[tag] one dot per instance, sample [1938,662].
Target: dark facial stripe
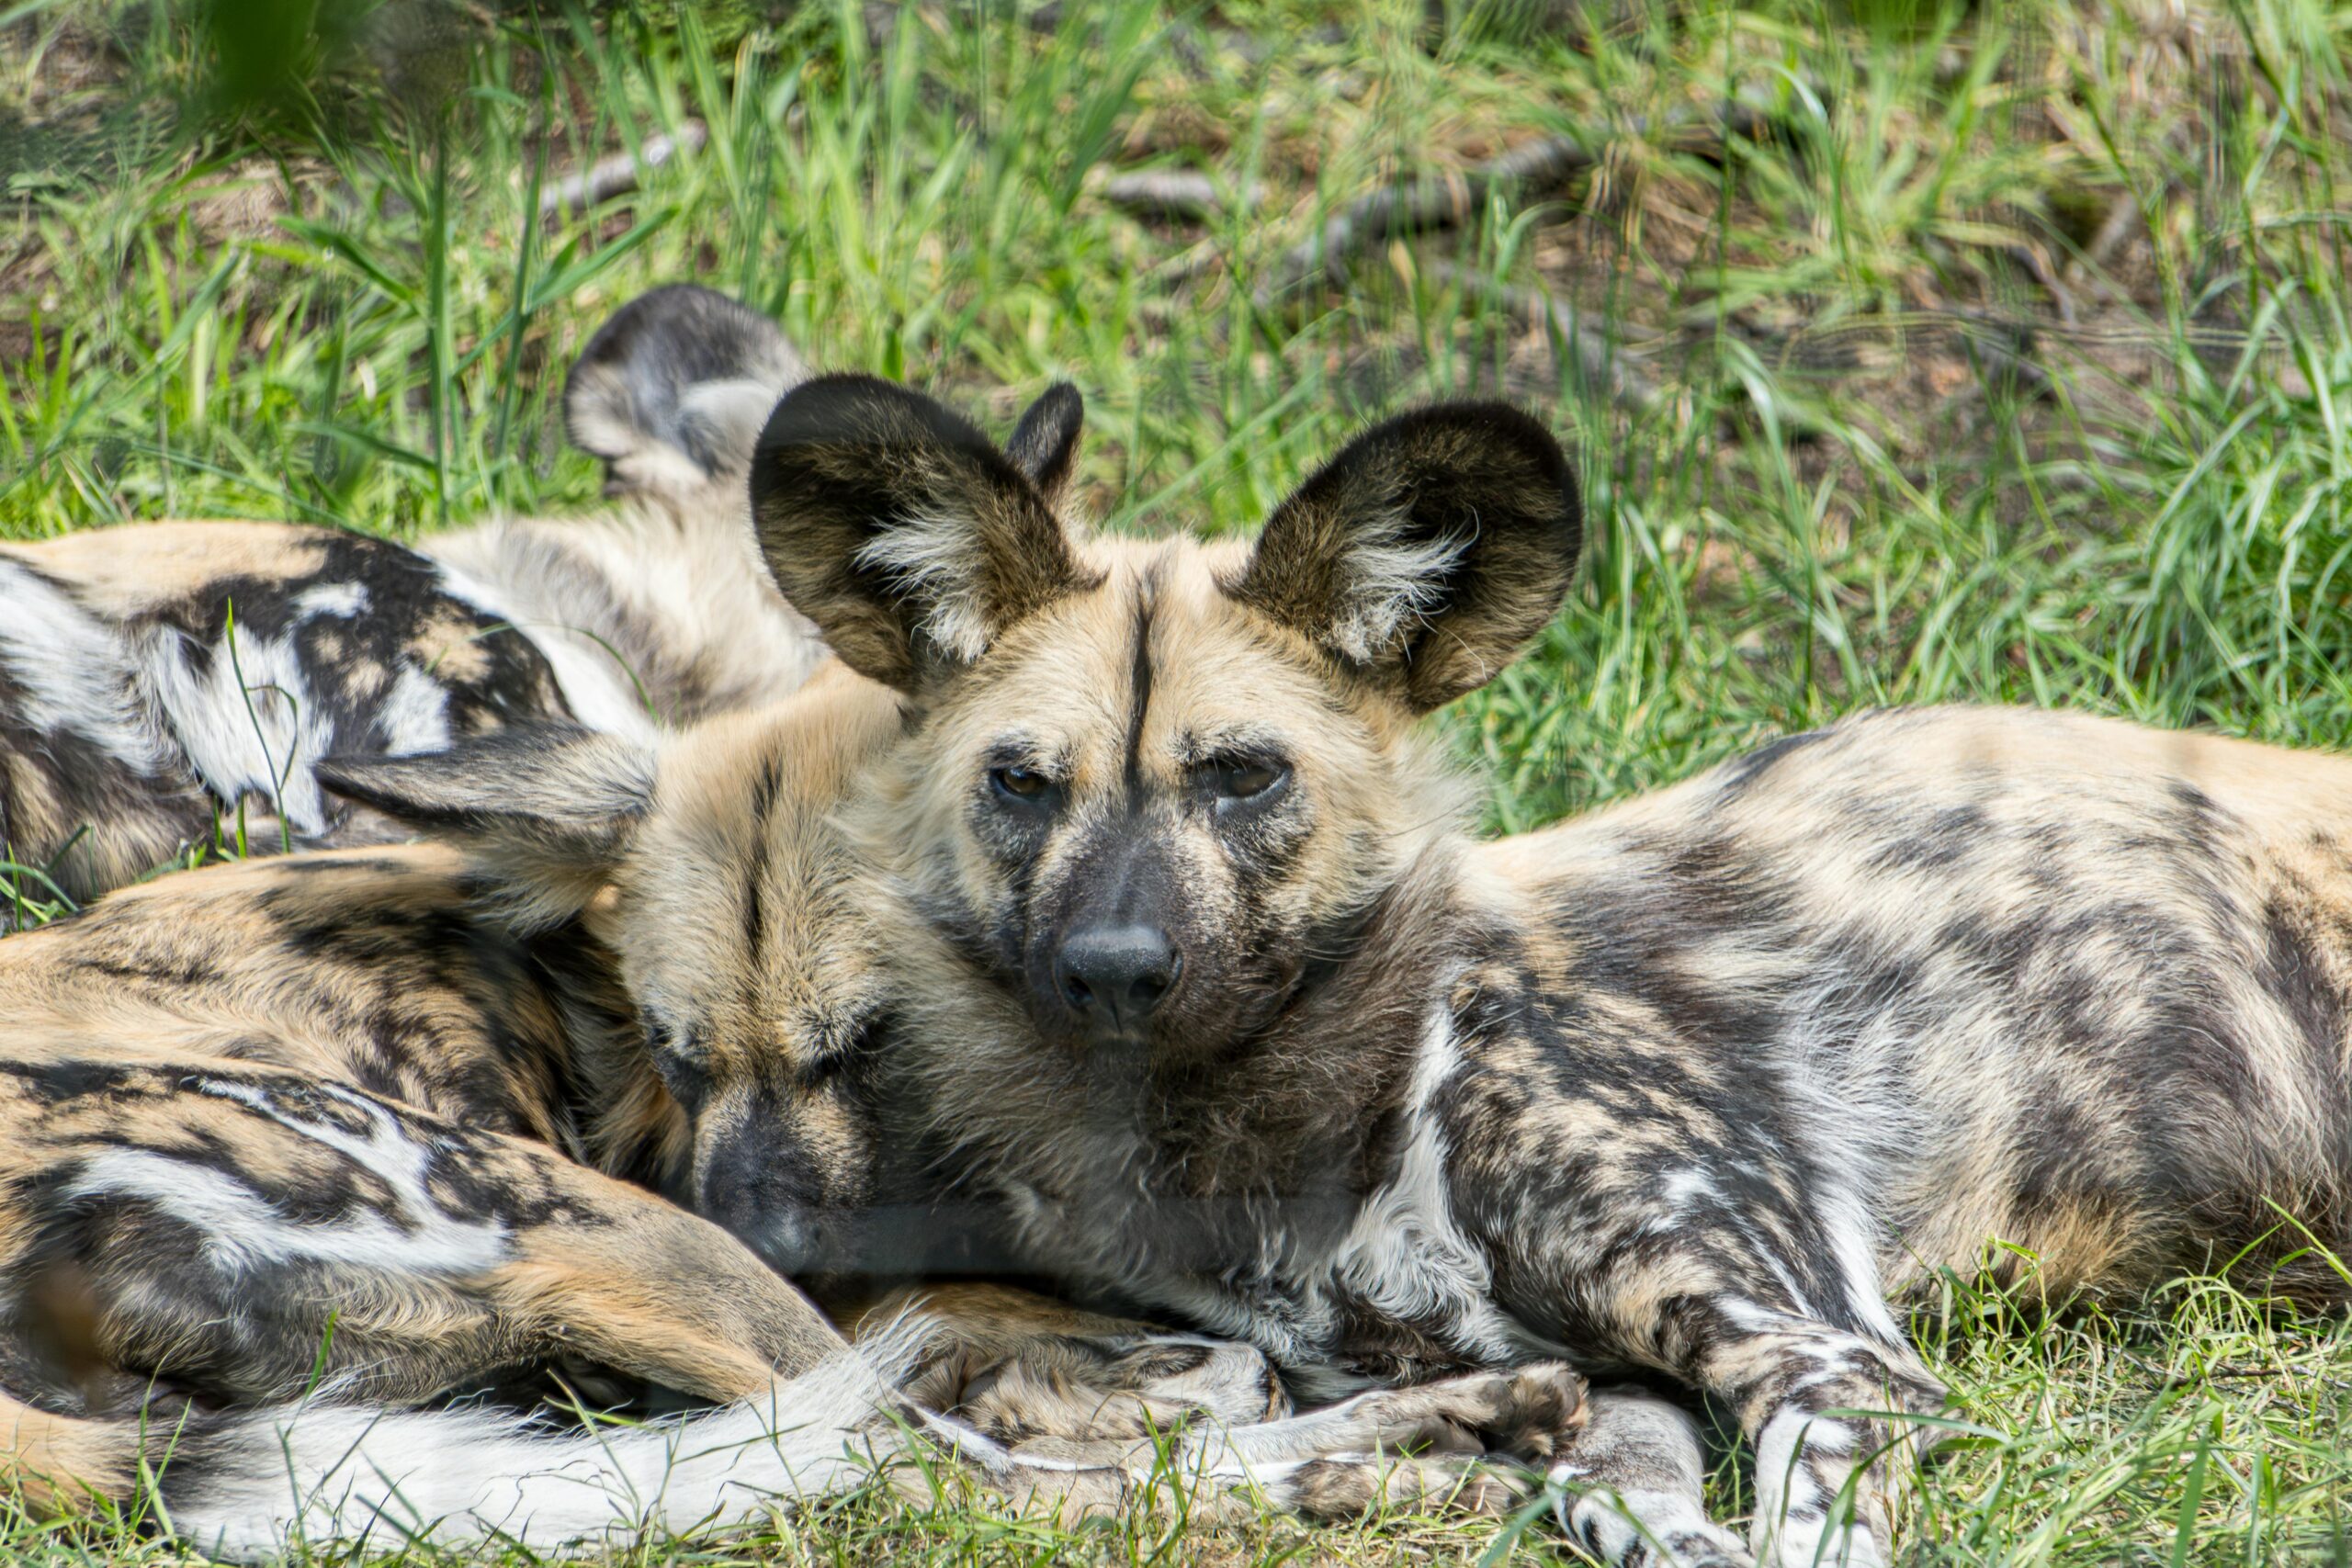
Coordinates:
[764,796]
[1139,684]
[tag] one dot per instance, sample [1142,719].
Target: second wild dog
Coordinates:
[294,1150]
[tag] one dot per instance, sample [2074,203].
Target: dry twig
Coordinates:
[1597,361]
[1179,193]
[1443,201]
[609,177]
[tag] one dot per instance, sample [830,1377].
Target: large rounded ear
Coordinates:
[1428,553]
[673,388]
[547,811]
[899,530]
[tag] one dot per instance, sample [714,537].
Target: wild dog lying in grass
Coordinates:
[375,1122]
[772,1011]
[156,678]
[1197,972]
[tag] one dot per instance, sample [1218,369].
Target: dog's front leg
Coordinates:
[1828,1413]
[1634,1480]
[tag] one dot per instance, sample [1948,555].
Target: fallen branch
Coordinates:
[609,177]
[1179,193]
[1597,362]
[1443,201]
[2123,218]
[2004,345]
[2036,262]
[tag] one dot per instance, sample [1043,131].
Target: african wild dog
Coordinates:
[758,925]
[768,998]
[158,677]
[1198,971]
[382,1122]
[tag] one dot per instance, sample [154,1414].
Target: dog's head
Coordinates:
[712,870]
[1150,783]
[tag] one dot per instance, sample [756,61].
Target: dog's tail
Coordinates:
[263,1485]
[257,1486]
[672,392]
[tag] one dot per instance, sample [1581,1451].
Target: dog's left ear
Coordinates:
[547,811]
[1428,553]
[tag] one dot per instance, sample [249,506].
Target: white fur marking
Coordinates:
[243,1229]
[1391,584]
[600,693]
[415,715]
[1405,1255]
[935,556]
[1850,1227]
[259,736]
[72,670]
[340,600]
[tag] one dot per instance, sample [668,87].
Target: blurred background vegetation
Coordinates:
[1912,352]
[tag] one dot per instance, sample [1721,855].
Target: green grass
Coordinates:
[297,273]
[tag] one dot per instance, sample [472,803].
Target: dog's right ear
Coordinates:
[671,392]
[1428,553]
[904,532]
[547,811]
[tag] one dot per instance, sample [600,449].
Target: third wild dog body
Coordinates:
[157,678]
[381,1122]
[1201,977]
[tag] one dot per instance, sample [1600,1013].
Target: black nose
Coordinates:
[1113,977]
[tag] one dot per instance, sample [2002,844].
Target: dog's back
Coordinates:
[2077,985]
[171,685]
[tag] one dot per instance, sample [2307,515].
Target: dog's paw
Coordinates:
[1344,1488]
[1526,1412]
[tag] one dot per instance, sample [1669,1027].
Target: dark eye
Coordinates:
[1024,784]
[1245,778]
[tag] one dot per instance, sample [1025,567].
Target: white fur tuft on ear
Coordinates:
[935,558]
[1390,583]
[726,416]
[1428,553]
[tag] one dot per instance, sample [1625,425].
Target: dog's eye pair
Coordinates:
[1024,784]
[1235,778]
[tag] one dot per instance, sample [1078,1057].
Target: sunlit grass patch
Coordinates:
[2009,358]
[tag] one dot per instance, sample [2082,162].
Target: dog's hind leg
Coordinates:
[249,1234]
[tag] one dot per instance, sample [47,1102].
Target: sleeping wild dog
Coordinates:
[157,678]
[1198,972]
[380,1123]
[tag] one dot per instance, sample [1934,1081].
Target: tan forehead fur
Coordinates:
[1217,668]
[731,903]
[1061,684]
